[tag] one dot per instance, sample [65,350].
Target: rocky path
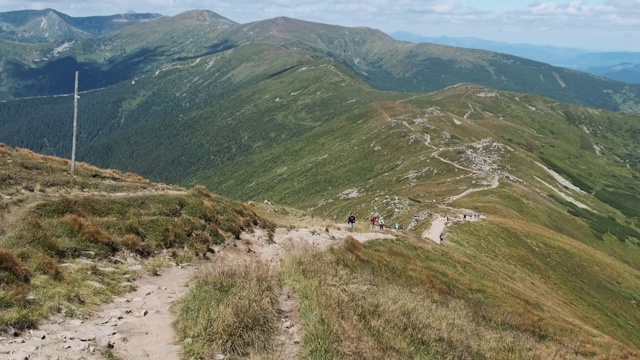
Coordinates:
[494,183]
[139,324]
[136,326]
[437,227]
[439,224]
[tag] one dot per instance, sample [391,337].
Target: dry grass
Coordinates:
[231,310]
[48,217]
[361,302]
[12,269]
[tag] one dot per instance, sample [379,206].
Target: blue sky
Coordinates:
[586,24]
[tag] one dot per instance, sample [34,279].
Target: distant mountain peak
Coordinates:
[49,25]
[200,15]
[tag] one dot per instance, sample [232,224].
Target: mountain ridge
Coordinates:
[32,26]
[550,264]
[598,63]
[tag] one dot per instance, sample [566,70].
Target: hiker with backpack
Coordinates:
[351,221]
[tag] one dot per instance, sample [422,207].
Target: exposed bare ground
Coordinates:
[139,325]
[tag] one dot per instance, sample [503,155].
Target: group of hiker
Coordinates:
[375,221]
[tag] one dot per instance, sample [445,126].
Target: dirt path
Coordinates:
[139,324]
[495,182]
[437,227]
[439,223]
[136,326]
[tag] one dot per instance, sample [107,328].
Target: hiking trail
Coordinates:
[138,325]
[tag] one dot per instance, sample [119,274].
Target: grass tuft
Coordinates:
[231,310]
[11,269]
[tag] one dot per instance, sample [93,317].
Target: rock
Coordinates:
[10,331]
[135,267]
[39,334]
[288,325]
[104,342]
[296,339]
[109,331]
[66,265]
[30,299]
[116,260]
[115,314]
[90,254]
[94,284]
[149,292]
[76,322]
[107,269]
[85,262]
[77,345]
[145,312]
[187,341]
[212,250]
[220,357]
[86,337]
[132,261]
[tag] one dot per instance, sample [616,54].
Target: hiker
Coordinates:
[373,221]
[381,223]
[351,221]
[464,217]
[441,238]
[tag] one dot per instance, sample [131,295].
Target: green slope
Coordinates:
[378,59]
[577,268]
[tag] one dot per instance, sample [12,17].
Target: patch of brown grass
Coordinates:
[13,266]
[50,266]
[87,229]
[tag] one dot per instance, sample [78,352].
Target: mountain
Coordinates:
[543,53]
[44,69]
[375,57]
[45,26]
[537,197]
[626,72]
[607,64]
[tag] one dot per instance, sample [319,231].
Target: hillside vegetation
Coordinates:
[557,183]
[324,119]
[63,239]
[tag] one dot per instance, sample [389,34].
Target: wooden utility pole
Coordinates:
[75,128]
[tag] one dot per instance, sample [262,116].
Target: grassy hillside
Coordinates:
[63,239]
[564,252]
[499,289]
[384,63]
[181,122]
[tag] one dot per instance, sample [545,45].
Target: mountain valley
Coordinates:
[530,172]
